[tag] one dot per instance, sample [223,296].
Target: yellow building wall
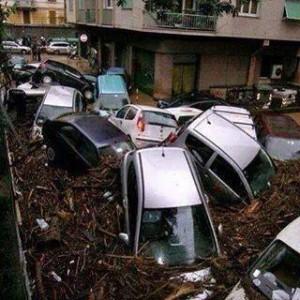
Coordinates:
[39,16]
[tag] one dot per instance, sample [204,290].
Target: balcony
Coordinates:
[182,20]
[24,4]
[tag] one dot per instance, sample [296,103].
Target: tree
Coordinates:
[5,12]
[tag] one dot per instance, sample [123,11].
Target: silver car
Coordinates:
[166,214]
[58,100]
[59,48]
[13,47]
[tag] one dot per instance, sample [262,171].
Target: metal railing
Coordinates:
[87,16]
[23,3]
[185,21]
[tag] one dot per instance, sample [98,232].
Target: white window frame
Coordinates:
[249,14]
[108,4]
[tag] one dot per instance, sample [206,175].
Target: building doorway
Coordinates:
[184,78]
[52,17]
[26,16]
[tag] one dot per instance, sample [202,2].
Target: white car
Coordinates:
[57,101]
[276,273]
[13,47]
[59,48]
[184,113]
[145,125]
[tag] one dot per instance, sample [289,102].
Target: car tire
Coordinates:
[52,155]
[23,52]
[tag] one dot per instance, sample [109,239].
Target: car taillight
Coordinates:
[172,137]
[140,124]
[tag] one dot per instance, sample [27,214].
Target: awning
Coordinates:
[292,10]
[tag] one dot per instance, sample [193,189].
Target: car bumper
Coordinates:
[146,142]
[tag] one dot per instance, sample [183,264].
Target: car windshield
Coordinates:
[177,236]
[277,269]
[112,101]
[50,112]
[259,172]
[282,148]
[158,118]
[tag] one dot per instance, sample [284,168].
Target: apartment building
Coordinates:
[38,12]
[176,50]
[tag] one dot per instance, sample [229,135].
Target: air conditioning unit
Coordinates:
[276,71]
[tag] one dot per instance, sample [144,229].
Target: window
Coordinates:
[108,4]
[198,149]
[131,114]
[128,4]
[248,8]
[26,16]
[228,175]
[71,5]
[132,201]
[121,113]
[52,17]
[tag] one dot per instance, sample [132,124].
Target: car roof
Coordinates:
[99,130]
[280,125]
[241,117]
[60,96]
[226,136]
[151,108]
[115,71]
[111,84]
[184,111]
[290,235]
[168,180]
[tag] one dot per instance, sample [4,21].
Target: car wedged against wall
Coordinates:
[276,273]
[80,140]
[234,167]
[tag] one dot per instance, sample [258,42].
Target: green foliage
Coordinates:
[5,12]
[205,7]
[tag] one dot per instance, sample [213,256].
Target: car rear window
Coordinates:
[159,118]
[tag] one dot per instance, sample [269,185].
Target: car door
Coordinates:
[226,184]
[118,119]
[15,48]
[129,125]
[78,150]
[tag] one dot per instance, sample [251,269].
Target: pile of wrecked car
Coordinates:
[175,162]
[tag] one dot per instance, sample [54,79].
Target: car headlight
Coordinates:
[88,94]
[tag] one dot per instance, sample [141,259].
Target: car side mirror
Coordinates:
[162,104]
[124,237]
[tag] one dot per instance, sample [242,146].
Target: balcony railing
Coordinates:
[183,20]
[87,16]
[24,3]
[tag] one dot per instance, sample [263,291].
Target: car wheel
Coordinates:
[88,95]
[47,79]
[52,155]
[23,52]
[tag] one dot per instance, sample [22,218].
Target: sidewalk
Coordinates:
[142,99]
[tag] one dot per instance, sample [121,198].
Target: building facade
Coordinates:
[38,12]
[175,50]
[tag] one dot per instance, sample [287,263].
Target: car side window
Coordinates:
[82,145]
[131,114]
[132,200]
[121,113]
[227,174]
[199,149]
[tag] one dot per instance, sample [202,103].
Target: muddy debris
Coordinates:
[79,256]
